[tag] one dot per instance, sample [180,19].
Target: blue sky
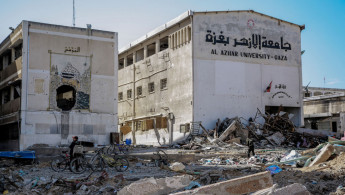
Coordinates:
[323,39]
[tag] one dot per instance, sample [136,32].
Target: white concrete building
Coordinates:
[202,66]
[57,82]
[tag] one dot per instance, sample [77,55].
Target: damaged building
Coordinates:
[325,112]
[202,66]
[57,82]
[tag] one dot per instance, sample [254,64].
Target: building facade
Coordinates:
[57,82]
[321,91]
[325,112]
[202,66]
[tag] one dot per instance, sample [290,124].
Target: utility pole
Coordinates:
[73,14]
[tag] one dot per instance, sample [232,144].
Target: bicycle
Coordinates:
[118,149]
[160,158]
[101,159]
[61,163]
[80,164]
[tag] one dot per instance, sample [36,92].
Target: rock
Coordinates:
[177,166]
[277,138]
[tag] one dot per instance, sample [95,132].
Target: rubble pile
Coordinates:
[277,130]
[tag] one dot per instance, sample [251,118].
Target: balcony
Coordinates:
[11,69]
[10,107]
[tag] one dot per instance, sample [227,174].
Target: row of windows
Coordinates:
[150,89]
[139,54]
[180,37]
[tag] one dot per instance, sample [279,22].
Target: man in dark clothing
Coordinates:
[250,145]
[71,147]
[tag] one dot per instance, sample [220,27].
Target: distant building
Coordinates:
[56,82]
[325,109]
[202,66]
[320,91]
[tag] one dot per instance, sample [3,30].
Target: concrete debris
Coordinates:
[177,166]
[293,189]
[324,154]
[152,186]
[242,185]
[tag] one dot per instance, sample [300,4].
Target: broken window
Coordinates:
[16,93]
[139,90]
[129,59]
[306,94]
[120,96]
[139,55]
[139,125]
[151,87]
[164,43]
[164,83]
[129,94]
[121,63]
[18,51]
[65,97]
[151,49]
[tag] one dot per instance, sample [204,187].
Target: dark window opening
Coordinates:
[151,49]
[129,59]
[164,43]
[151,87]
[129,94]
[164,83]
[121,63]
[120,96]
[18,51]
[334,126]
[139,55]
[306,94]
[6,59]
[65,97]
[7,95]
[140,90]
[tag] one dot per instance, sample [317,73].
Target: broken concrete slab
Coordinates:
[154,186]
[293,189]
[226,133]
[324,154]
[277,138]
[338,149]
[242,185]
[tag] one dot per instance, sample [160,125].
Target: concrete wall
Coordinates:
[230,80]
[50,51]
[175,64]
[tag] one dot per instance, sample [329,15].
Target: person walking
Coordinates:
[250,145]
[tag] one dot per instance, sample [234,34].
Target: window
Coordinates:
[151,87]
[121,63]
[164,83]
[129,94]
[6,95]
[164,44]
[139,55]
[120,96]
[151,49]
[65,97]
[129,59]
[18,51]
[139,90]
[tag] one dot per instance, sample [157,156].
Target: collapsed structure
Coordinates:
[55,82]
[202,66]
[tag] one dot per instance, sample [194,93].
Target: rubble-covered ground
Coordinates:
[226,164]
